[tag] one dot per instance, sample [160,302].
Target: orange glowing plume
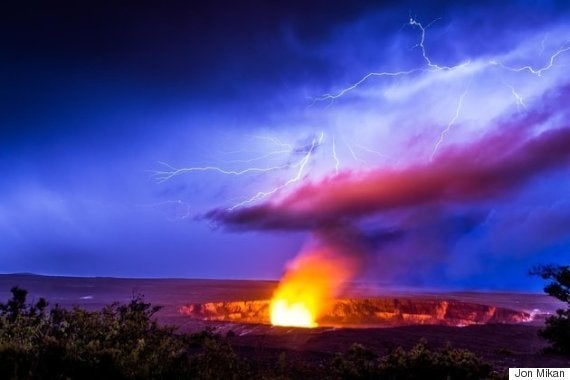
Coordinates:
[311,281]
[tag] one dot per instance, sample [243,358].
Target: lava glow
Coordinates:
[312,280]
[290,313]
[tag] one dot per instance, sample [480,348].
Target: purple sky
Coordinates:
[193,140]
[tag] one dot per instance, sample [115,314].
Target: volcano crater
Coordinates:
[366,312]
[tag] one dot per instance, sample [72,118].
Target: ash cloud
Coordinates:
[493,167]
[426,231]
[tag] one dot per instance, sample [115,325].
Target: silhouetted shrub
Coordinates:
[557,327]
[218,361]
[125,342]
[357,363]
[417,363]
[120,341]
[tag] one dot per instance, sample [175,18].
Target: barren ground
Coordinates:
[503,345]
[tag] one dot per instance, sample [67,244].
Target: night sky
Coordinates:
[212,140]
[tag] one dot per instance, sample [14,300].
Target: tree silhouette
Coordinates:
[557,327]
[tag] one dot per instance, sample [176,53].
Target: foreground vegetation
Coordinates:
[125,342]
[557,327]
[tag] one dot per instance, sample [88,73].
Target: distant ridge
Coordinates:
[29,274]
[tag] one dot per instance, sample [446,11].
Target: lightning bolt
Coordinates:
[430,66]
[536,71]
[262,157]
[284,149]
[353,153]
[421,44]
[366,149]
[337,162]
[296,178]
[165,175]
[274,140]
[342,92]
[451,121]
[518,98]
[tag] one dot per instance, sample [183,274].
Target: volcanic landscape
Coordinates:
[500,326]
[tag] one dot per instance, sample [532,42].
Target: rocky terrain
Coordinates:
[368,312]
